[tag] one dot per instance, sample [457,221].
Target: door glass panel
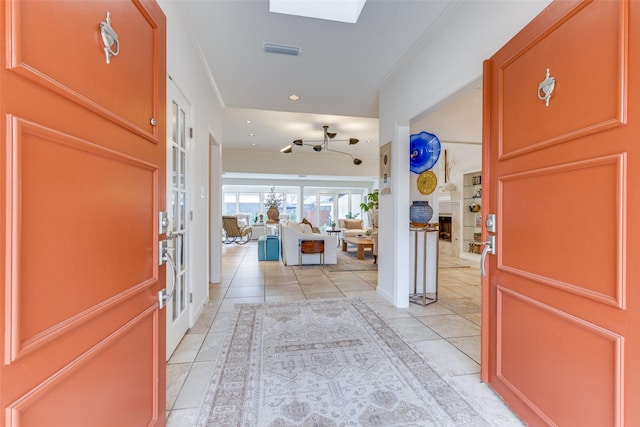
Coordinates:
[183,130]
[181,210]
[174,302]
[174,166]
[174,210]
[181,167]
[174,123]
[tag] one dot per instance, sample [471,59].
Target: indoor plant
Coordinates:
[371,208]
[272,203]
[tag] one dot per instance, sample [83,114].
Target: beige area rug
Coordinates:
[326,363]
[348,261]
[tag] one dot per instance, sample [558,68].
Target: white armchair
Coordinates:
[292,232]
[351,227]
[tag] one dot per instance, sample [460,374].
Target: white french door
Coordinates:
[179,307]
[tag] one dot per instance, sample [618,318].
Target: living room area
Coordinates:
[333,215]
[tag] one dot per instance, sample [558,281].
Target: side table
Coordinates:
[424,298]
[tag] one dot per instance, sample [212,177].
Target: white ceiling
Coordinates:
[337,74]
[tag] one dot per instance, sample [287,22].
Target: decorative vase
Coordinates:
[420,213]
[273,214]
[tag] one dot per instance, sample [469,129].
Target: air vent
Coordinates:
[282,49]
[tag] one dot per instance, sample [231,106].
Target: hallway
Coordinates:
[447,333]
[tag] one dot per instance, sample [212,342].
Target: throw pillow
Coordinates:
[305,221]
[353,224]
[295,226]
[306,228]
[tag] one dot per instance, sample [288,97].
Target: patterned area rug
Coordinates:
[348,261]
[326,363]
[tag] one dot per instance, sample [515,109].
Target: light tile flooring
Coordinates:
[446,333]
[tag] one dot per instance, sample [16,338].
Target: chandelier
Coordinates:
[324,144]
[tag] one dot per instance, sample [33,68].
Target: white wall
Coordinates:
[447,62]
[185,67]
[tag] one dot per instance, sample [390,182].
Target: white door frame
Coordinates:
[179,182]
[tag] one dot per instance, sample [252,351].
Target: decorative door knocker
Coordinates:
[109,38]
[545,88]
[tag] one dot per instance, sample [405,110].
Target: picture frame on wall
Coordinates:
[385,168]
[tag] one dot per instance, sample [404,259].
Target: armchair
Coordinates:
[351,227]
[233,232]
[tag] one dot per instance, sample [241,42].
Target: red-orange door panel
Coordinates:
[83,170]
[564,306]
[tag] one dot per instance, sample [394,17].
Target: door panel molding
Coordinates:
[525,69]
[41,397]
[604,227]
[28,276]
[33,61]
[586,354]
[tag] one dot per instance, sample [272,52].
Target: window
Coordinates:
[249,203]
[309,209]
[326,210]
[349,205]
[229,203]
[291,205]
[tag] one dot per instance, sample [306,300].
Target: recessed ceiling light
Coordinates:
[293,97]
[248,122]
[253,144]
[252,134]
[369,141]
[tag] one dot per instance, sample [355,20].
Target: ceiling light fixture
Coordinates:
[293,97]
[324,144]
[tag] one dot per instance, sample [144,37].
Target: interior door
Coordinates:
[82,161]
[563,290]
[179,307]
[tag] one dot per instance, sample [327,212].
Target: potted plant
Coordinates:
[272,203]
[371,208]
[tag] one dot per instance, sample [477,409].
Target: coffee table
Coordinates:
[360,242]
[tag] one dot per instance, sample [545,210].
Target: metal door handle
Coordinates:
[489,248]
[163,296]
[109,38]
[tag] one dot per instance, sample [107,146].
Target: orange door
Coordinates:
[83,172]
[563,290]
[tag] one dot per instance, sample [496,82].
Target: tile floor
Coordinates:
[447,332]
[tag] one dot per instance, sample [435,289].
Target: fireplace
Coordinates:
[444,223]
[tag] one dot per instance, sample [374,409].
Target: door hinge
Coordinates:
[190,297]
[190,132]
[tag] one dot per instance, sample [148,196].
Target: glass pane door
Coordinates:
[179,307]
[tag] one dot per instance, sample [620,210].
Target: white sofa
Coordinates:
[292,232]
[351,227]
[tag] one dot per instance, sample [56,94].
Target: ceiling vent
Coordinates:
[280,48]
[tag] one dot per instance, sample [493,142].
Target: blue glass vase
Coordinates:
[420,213]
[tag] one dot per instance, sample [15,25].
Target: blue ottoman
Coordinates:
[268,248]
